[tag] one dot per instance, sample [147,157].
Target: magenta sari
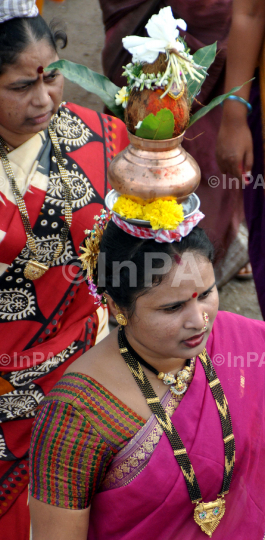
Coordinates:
[144,495]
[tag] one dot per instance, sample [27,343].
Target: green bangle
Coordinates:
[241,100]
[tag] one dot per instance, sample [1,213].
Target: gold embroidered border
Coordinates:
[139,457]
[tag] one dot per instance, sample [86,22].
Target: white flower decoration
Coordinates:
[122,97]
[163,32]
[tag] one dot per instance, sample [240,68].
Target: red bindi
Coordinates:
[195,294]
[40,69]
[177,258]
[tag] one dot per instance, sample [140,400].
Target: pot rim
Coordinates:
[158,145]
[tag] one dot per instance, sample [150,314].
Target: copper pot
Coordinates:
[152,169]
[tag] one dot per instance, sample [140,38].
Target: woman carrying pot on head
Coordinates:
[53,162]
[158,431]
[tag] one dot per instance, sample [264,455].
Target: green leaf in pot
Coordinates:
[92,82]
[203,57]
[216,101]
[157,127]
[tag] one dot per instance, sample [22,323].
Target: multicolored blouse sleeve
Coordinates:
[78,429]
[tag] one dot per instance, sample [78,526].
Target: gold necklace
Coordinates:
[5,145]
[179,383]
[35,269]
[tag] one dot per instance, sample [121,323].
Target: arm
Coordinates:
[234,145]
[68,459]
[54,523]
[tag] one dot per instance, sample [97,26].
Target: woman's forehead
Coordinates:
[194,274]
[28,61]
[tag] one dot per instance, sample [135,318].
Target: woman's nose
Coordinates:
[41,97]
[195,318]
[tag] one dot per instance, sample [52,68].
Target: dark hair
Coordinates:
[119,246]
[17,34]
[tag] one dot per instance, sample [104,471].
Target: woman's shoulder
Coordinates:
[82,392]
[90,399]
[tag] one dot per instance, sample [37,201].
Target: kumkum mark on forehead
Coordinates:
[195,294]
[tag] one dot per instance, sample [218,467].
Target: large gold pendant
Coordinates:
[208,515]
[34,270]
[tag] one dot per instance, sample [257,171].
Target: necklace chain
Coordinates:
[217,508]
[5,145]
[179,383]
[22,207]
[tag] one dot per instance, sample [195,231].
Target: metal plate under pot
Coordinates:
[190,206]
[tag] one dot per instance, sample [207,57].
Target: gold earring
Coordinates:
[120,318]
[206,320]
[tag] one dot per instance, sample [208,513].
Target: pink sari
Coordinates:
[144,495]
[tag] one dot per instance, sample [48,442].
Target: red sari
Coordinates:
[46,324]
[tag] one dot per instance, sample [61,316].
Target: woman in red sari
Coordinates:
[53,188]
[108,461]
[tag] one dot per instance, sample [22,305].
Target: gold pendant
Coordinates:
[208,515]
[34,270]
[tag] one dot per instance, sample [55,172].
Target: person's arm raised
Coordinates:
[234,150]
[52,523]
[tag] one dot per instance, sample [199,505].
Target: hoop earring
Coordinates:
[120,318]
[206,320]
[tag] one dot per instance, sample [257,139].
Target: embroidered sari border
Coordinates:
[134,457]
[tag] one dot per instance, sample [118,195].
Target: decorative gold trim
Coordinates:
[214,383]
[229,464]
[123,350]
[152,400]
[228,438]
[180,452]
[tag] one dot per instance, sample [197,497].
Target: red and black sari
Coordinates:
[46,324]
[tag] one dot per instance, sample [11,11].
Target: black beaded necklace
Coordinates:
[206,515]
[178,385]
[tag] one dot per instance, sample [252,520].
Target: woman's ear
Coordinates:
[115,310]
[111,304]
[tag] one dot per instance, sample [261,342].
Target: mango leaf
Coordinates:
[157,127]
[203,57]
[216,101]
[92,82]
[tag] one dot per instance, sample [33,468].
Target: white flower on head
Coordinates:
[163,32]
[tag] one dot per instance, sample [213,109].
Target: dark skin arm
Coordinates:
[234,150]
[53,523]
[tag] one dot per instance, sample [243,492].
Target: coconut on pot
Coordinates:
[157,76]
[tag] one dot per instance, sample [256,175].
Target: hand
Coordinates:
[234,149]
